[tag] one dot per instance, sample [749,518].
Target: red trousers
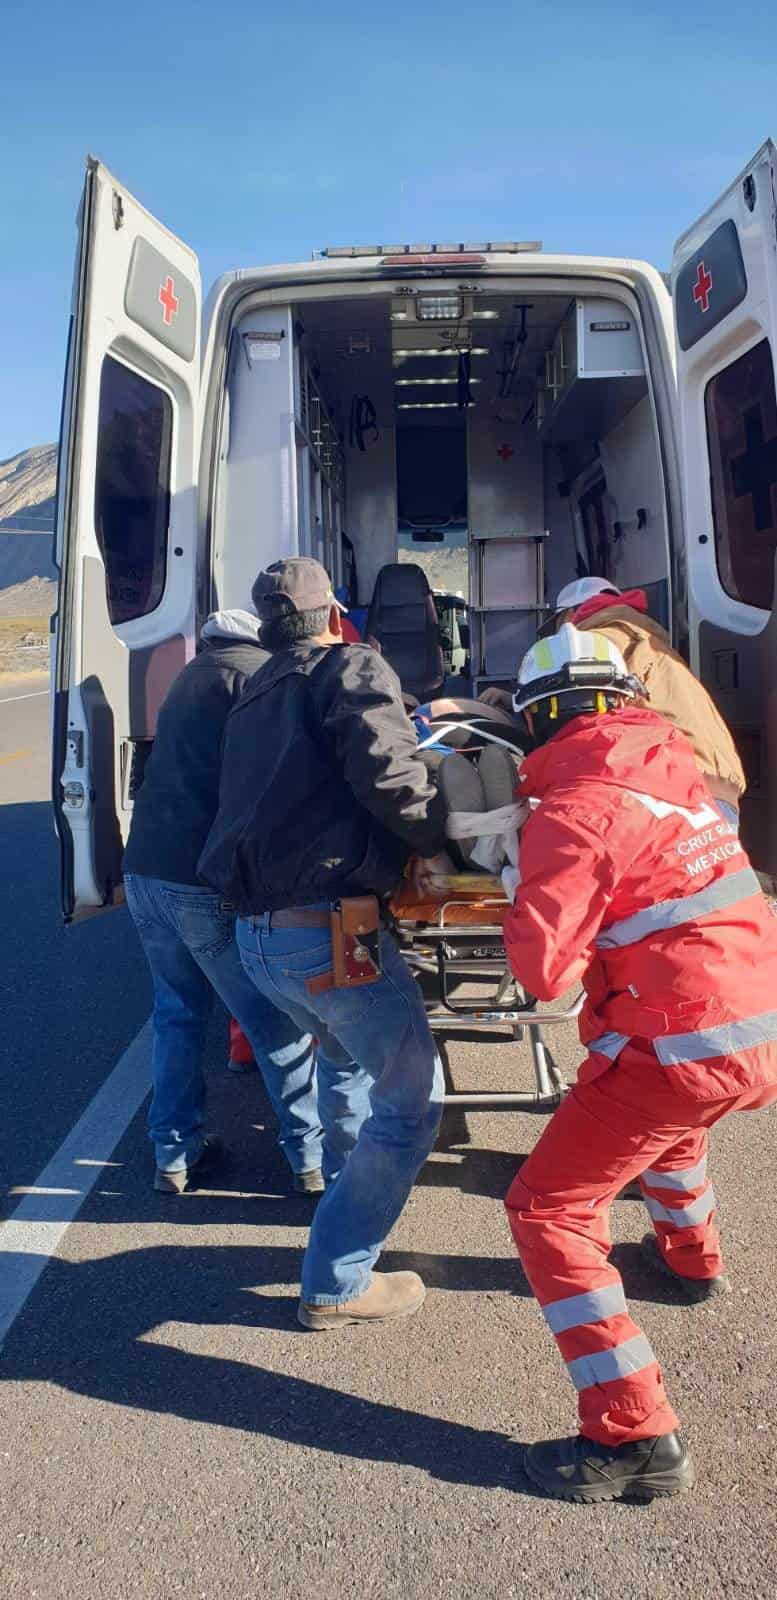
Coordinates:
[616,1125]
[239,1048]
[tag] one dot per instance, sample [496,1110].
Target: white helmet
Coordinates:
[574,594]
[569,662]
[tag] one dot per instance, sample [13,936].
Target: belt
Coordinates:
[299,917]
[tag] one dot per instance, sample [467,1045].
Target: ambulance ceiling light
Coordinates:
[439,307]
[412,383]
[408,314]
[452,350]
[432,405]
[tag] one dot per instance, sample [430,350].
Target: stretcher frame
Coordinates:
[436,944]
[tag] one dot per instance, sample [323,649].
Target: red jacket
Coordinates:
[633,881]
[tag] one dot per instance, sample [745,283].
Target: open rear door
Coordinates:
[126,523]
[724,284]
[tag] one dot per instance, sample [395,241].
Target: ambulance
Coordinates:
[497,419]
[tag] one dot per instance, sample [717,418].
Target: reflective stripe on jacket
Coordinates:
[633,881]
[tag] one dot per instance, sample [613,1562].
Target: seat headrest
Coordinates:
[401,585]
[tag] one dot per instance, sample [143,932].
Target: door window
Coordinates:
[741,413]
[132,489]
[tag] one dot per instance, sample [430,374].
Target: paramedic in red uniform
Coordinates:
[632,880]
[595,604]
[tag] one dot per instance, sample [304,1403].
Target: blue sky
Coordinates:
[595,128]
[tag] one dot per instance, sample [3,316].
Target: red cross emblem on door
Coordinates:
[702,286]
[168,300]
[505,452]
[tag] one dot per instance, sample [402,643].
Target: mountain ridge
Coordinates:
[28,484]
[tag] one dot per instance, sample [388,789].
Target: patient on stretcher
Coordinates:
[474,753]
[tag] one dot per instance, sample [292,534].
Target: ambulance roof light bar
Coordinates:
[443,254]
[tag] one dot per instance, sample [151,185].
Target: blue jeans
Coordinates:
[188,937]
[375,1047]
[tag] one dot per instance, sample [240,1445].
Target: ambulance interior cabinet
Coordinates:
[592,375]
[506,586]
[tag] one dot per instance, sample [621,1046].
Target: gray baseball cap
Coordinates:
[300,580]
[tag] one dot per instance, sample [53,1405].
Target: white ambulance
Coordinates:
[502,419]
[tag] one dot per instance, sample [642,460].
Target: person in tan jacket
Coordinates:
[595,604]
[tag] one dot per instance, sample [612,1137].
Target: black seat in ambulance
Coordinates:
[403,618]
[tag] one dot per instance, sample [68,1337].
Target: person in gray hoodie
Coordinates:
[188,931]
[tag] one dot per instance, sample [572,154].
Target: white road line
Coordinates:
[11,699]
[28,1239]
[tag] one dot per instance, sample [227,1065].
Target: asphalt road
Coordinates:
[166,1427]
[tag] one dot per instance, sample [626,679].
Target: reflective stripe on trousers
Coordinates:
[558,1206]
[631,1354]
[681,1178]
[690,1216]
[681,1205]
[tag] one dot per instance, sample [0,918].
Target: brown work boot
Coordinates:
[309,1182]
[391,1295]
[211,1158]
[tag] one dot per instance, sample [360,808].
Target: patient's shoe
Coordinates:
[498,776]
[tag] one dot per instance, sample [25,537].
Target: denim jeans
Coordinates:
[188,937]
[376,1051]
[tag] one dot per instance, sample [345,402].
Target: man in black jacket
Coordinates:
[188,932]
[324,796]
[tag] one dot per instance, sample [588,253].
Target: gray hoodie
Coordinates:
[178,798]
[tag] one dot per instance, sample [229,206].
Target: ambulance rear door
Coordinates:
[724,285]
[126,532]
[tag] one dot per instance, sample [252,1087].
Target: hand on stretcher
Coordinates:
[430,875]
[437,878]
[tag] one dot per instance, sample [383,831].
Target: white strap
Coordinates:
[478,824]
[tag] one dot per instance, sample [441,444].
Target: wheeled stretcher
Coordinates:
[445,944]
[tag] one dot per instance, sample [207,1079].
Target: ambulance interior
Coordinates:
[502,442]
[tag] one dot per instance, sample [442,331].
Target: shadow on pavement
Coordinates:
[83,1344]
[72,998]
[640,1281]
[485,1172]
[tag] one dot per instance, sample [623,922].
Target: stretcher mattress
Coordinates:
[464,907]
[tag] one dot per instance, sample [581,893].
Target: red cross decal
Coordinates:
[505,452]
[702,286]
[168,300]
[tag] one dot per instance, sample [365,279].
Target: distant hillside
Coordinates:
[27,485]
[445,569]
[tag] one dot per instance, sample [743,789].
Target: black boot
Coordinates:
[583,1470]
[697,1289]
